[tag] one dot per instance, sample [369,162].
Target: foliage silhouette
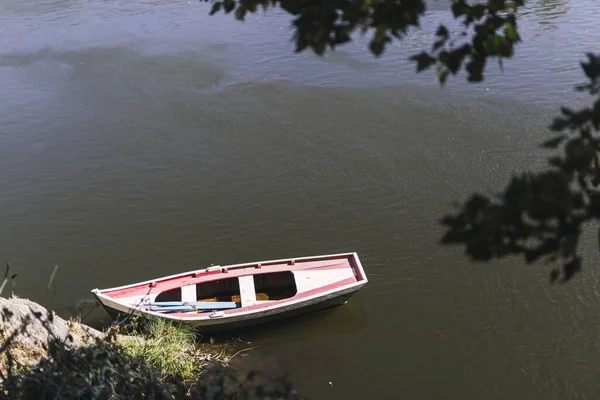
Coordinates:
[539,215]
[322,24]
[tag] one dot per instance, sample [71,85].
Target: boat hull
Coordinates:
[242,294]
[236,323]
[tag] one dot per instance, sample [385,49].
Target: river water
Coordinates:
[142,138]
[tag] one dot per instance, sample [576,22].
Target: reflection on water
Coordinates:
[547,12]
[347,319]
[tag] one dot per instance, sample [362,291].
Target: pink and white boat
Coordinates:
[241,294]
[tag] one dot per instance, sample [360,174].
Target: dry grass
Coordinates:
[22,355]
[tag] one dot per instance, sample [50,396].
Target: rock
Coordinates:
[29,343]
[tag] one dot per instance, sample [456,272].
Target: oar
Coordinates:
[211,305]
[173,308]
[166,303]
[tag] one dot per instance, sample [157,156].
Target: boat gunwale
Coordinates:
[231,266]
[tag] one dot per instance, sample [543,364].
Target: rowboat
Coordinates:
[231,296]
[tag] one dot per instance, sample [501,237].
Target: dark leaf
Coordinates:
[464,50]
[556,161]
[554,142]
[596,180]
[448,220]
[478,10]
[459,8]
[596,115]
[592,68]
[569,245]
[505,48]
[475,69]
[554,273]
[216,7]
[442,76]
[452,60]
[571,268]
[291,6]
[376,47]
[510,31]
[438,44]
[240,12]
[567,111]
[531,256]
[579,154]
[424,61]
[229,5]
[443,32]
[496,5]
[559,124]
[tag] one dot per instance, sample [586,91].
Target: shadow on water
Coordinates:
[345,58]
[347,319]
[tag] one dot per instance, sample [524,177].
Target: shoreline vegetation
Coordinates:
[43,356]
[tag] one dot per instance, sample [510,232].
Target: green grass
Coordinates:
[172,350]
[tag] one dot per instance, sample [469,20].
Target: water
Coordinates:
[144,138]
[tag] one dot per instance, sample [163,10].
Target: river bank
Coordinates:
[42,354]
[28,327]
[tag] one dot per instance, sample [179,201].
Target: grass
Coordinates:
[171,349]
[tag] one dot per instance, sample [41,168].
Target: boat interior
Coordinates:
[246,289]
